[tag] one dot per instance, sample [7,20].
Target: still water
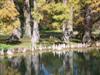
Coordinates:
[52,63]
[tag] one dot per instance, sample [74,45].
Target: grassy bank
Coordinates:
[47,37]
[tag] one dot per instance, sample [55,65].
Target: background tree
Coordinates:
[89,8]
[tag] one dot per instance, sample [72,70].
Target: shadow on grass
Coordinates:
[56,37]
[48,38]
[48,35]
[3,40]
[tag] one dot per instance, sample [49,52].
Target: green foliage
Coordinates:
[37,16]
[53,14]
[58,11]
[4,46]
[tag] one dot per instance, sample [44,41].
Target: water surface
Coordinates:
[51,63]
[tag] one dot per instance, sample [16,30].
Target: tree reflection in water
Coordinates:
[67,63]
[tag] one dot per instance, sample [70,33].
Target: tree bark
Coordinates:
[88,26]
[27,14]
[35,30]
[68,25]
[19,7]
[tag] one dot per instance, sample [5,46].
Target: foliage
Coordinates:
[8,16]
[37,16]
[95,11]
[54,13]
[50,15]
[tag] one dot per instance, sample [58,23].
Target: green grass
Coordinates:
[25,42]
[4,46]
[48,37]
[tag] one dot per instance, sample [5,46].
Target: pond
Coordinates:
[51,63]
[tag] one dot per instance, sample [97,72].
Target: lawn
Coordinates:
[46,38]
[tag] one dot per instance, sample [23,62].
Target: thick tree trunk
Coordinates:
[27,14]
[35,36]
[66,33]
[19,7]
[88,26]
[35,30]
[87,37]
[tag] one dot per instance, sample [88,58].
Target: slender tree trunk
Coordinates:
[87,27]
[68,25]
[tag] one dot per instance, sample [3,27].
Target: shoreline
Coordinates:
[83,48]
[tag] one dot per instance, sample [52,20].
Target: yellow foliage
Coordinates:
[95,5]
[8,11]
[8,16]
[80,20]
[8,28]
